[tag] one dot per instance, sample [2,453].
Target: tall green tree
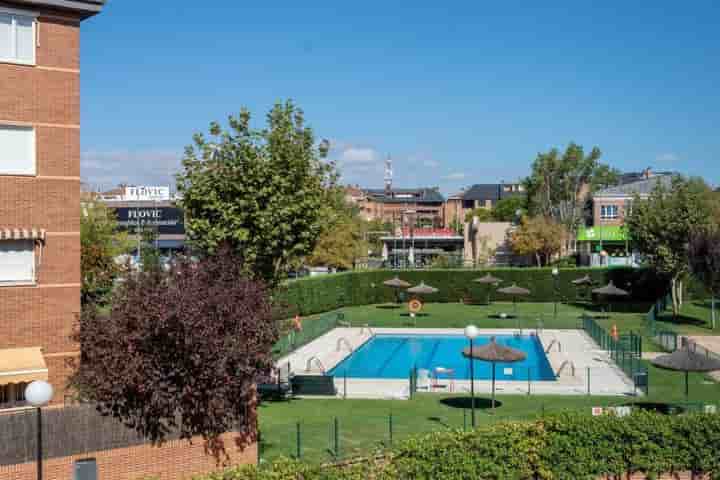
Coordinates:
[263,191]
[506,210]
[705,262]
[660,227]
[561,183]
[101,244]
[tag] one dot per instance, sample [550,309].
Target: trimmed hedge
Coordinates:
[569,446]
[307,296]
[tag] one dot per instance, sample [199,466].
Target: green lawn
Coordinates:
[364,424]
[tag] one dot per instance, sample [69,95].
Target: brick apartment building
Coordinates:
[420,206]
[40,278]
[39,190]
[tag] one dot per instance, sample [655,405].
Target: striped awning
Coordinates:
[22,234]
[22,365]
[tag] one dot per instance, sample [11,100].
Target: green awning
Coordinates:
[610,233]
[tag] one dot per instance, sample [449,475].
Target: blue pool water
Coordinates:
[392,356]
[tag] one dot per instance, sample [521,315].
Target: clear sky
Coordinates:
[456,92]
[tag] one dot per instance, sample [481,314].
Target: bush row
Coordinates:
[312,295]
[569,446]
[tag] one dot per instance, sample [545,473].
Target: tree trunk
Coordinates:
[712,309]
[674,294]
[681,292]
[539,261]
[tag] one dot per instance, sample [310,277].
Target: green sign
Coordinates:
[610,233]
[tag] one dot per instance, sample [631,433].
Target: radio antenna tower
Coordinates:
[388,176]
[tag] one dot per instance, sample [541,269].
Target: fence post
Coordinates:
[337,438]
[588,380]
[298,441]
[345,385]
[464,419]
[390,426]
[529,370]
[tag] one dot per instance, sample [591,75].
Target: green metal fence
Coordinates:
[664,337]
[311,329]
[626,352]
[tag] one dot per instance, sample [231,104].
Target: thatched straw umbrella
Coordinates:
[515,291]
[422,289]
[488,280]
[610,290]
[685,360]
[396,284]
[494,353]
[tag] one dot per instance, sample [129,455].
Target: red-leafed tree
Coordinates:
[180,351]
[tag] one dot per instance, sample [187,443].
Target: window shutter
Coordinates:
[17,261]
[17,155]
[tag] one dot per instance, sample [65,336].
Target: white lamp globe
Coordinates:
[555,272]
[38,393]
[471,332]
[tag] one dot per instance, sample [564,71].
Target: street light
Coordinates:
[556,275]
[471,333]
[38,394]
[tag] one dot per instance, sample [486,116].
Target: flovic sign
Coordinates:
[146,193]
[168,220]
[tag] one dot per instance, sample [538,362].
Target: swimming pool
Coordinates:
[394,355]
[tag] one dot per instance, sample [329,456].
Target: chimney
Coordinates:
[647,173]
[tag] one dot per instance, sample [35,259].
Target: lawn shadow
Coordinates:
[681,320]
[465,403]
[389,306]
[420,314]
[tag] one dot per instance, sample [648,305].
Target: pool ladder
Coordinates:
[318,364]
[562,367]
[555,341]
[346,342]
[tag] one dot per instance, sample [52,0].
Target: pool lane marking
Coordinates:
[391,356]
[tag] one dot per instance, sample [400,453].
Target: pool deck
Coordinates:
[571,353]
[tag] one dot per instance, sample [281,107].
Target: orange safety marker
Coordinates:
[614,332]
[297,323]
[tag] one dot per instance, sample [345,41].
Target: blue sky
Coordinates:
[459,94]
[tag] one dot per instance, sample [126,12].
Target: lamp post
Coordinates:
[471,333]
[38,394]
[556,275]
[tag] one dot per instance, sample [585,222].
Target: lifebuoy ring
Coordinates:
[415,305]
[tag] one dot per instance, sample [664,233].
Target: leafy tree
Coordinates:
[483,214]
[660,227]
[261,191]
[100,246]
[149,253]
[375,230]
[705,261]
[180,350]
[561,182]
[506,209]
[540,237]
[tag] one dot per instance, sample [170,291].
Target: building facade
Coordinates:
[606,241]
[484,195]
[421,207]
[39,191]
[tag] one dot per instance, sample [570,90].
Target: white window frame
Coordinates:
[33,280]
[33,151]
[34,17]
[606,209]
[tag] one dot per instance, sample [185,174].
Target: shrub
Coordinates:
[568,446]
[312,295]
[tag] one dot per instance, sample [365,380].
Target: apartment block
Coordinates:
[39,191]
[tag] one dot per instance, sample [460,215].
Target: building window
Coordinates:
[17,37]
[17,261]
[608,212]
[17,155]
[12,395]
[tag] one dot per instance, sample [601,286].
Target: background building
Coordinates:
[39,191]
[485,195]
